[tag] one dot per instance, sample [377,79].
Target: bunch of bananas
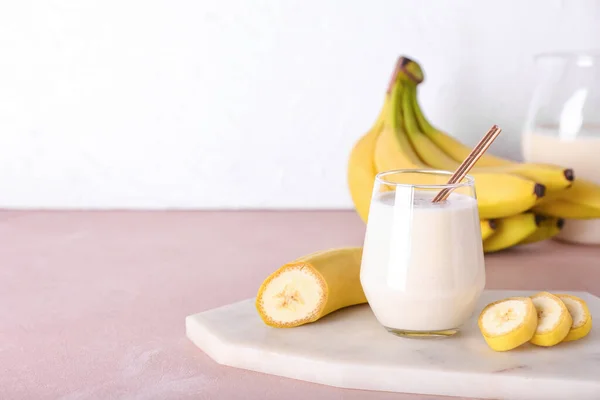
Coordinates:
[518,203]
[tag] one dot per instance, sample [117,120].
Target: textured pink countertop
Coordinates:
[92,304]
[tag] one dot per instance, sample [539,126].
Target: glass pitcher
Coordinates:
[563,124]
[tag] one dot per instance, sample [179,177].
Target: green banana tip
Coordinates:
[410,69]
[406,70]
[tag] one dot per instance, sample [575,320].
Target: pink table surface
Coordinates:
[92,304]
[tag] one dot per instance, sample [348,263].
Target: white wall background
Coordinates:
[247,103]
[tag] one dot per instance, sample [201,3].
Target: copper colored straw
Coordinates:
[464,168]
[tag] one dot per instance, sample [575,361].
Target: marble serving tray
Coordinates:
[349,349]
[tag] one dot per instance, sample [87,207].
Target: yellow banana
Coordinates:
[583,192]
[503,195]
[488,226]
[361,167]
[510,231]
[554,178]
[308,288]
[547,228]
[560,208]
[580,201]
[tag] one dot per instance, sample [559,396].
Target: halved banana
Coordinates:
[582,319]
[554,320]
[310,287]
[508,323]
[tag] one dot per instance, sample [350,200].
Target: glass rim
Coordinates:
[468,180]
[592,53]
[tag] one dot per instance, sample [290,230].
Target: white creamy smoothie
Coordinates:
[422,266]
[580,152]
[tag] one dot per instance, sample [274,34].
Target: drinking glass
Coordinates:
[422,267]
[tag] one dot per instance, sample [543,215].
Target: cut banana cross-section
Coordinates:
[554,320]
[311,287]
[508,323]
[582,319]
[296,291]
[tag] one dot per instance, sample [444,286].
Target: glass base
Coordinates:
[422,334]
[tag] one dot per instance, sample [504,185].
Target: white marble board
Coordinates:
[349,349]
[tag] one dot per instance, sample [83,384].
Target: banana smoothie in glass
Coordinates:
[422,266]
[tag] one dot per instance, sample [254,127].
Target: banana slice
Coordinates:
[582,319]
[508,323]
[554,320]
